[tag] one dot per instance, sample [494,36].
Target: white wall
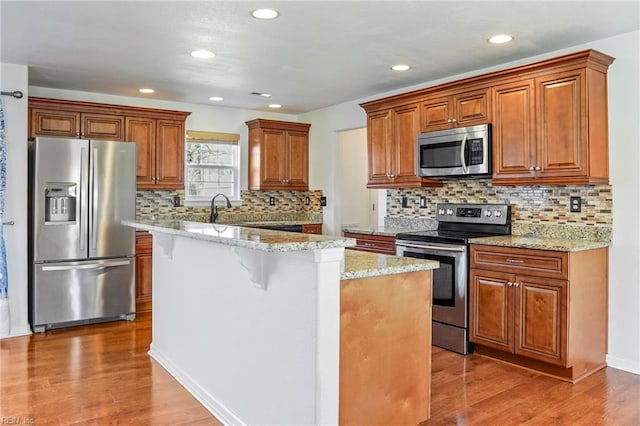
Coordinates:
[12,78]
[624,157]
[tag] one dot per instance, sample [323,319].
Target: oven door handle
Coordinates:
[457,249]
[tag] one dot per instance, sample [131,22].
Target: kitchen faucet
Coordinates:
[214,208]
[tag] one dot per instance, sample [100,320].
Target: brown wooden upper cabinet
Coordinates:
[457,110]
[50,121]
[549,123]
[160,152]
[158,134]
[278,155]
[391,145]
[552,127]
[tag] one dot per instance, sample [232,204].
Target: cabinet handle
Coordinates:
[531,169]
[538,168]
[453,120]
[449,121]
[509,284]
[516,284]
[515,261]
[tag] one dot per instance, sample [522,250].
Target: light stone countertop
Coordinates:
[540,243]
[360,264]
[239,236]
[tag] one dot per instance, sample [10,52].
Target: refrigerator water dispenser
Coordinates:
[60,203]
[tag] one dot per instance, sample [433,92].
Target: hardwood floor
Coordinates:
[101,374]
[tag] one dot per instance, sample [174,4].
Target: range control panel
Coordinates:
[495,214]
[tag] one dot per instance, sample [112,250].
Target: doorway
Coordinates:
[358,207]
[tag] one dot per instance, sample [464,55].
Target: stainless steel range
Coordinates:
[449,245]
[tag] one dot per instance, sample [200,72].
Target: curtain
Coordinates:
[4,280]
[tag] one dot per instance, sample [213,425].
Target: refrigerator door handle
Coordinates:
[94,209]
[83,199]
[86,266]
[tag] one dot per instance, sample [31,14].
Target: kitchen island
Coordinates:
[269,327]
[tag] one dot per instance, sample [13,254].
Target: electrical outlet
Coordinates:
[575,204]
[272,201]
[423,202]
[323,201]
[307,201]
[404,201]
[176,201]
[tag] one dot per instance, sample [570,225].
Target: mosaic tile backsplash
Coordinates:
[289,206]
[532,207]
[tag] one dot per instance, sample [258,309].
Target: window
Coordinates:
[212,166]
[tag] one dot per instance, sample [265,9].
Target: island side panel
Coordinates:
[385,349]
[249,355]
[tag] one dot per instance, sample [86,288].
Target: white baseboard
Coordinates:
[623,364]
[214,406]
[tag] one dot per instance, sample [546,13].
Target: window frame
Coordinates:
[212,139]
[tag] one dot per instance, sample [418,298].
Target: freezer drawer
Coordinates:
[72,293]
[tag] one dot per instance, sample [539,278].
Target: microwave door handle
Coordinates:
[463,146]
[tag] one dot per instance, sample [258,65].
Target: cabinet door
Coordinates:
[472,108]
[541,319]
[491,309]
[170,154]
[273,159]
[437,114]
[513,130]
[144,255]
[297,163]
[379,137]
[406,121]
[562,144]
[101,126]
[142,131]
[54,123]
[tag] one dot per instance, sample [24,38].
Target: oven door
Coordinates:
[449,280]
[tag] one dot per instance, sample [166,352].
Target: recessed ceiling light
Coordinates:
[265,14]
[401,67]
[500,39]
[202,54]
[146,90]
[216,98]
[275,106]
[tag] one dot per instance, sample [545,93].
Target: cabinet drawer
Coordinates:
[313,228]
[542,263]
[374,243]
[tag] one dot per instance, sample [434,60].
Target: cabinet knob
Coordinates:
[509,284]
[449,121]
[516,284]
[453,120]
[531,169]
[538,168]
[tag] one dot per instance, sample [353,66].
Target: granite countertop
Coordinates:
[379,230]
[276,222]
[359,264]
[540,243]
[239,236]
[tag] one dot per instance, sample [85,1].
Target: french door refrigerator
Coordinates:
[82,260]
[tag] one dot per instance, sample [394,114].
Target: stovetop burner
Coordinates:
[457,223]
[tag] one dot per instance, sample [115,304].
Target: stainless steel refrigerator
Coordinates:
[82,264]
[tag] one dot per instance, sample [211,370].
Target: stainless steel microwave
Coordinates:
[463,151]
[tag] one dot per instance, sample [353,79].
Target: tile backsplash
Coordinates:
[289,205]
[532,207]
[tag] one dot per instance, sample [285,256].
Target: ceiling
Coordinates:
[315,54]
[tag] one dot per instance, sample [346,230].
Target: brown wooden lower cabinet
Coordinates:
[144,251]
[384,244]
[385,349]
[544,310]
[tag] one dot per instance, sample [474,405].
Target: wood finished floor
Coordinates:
[101,374]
